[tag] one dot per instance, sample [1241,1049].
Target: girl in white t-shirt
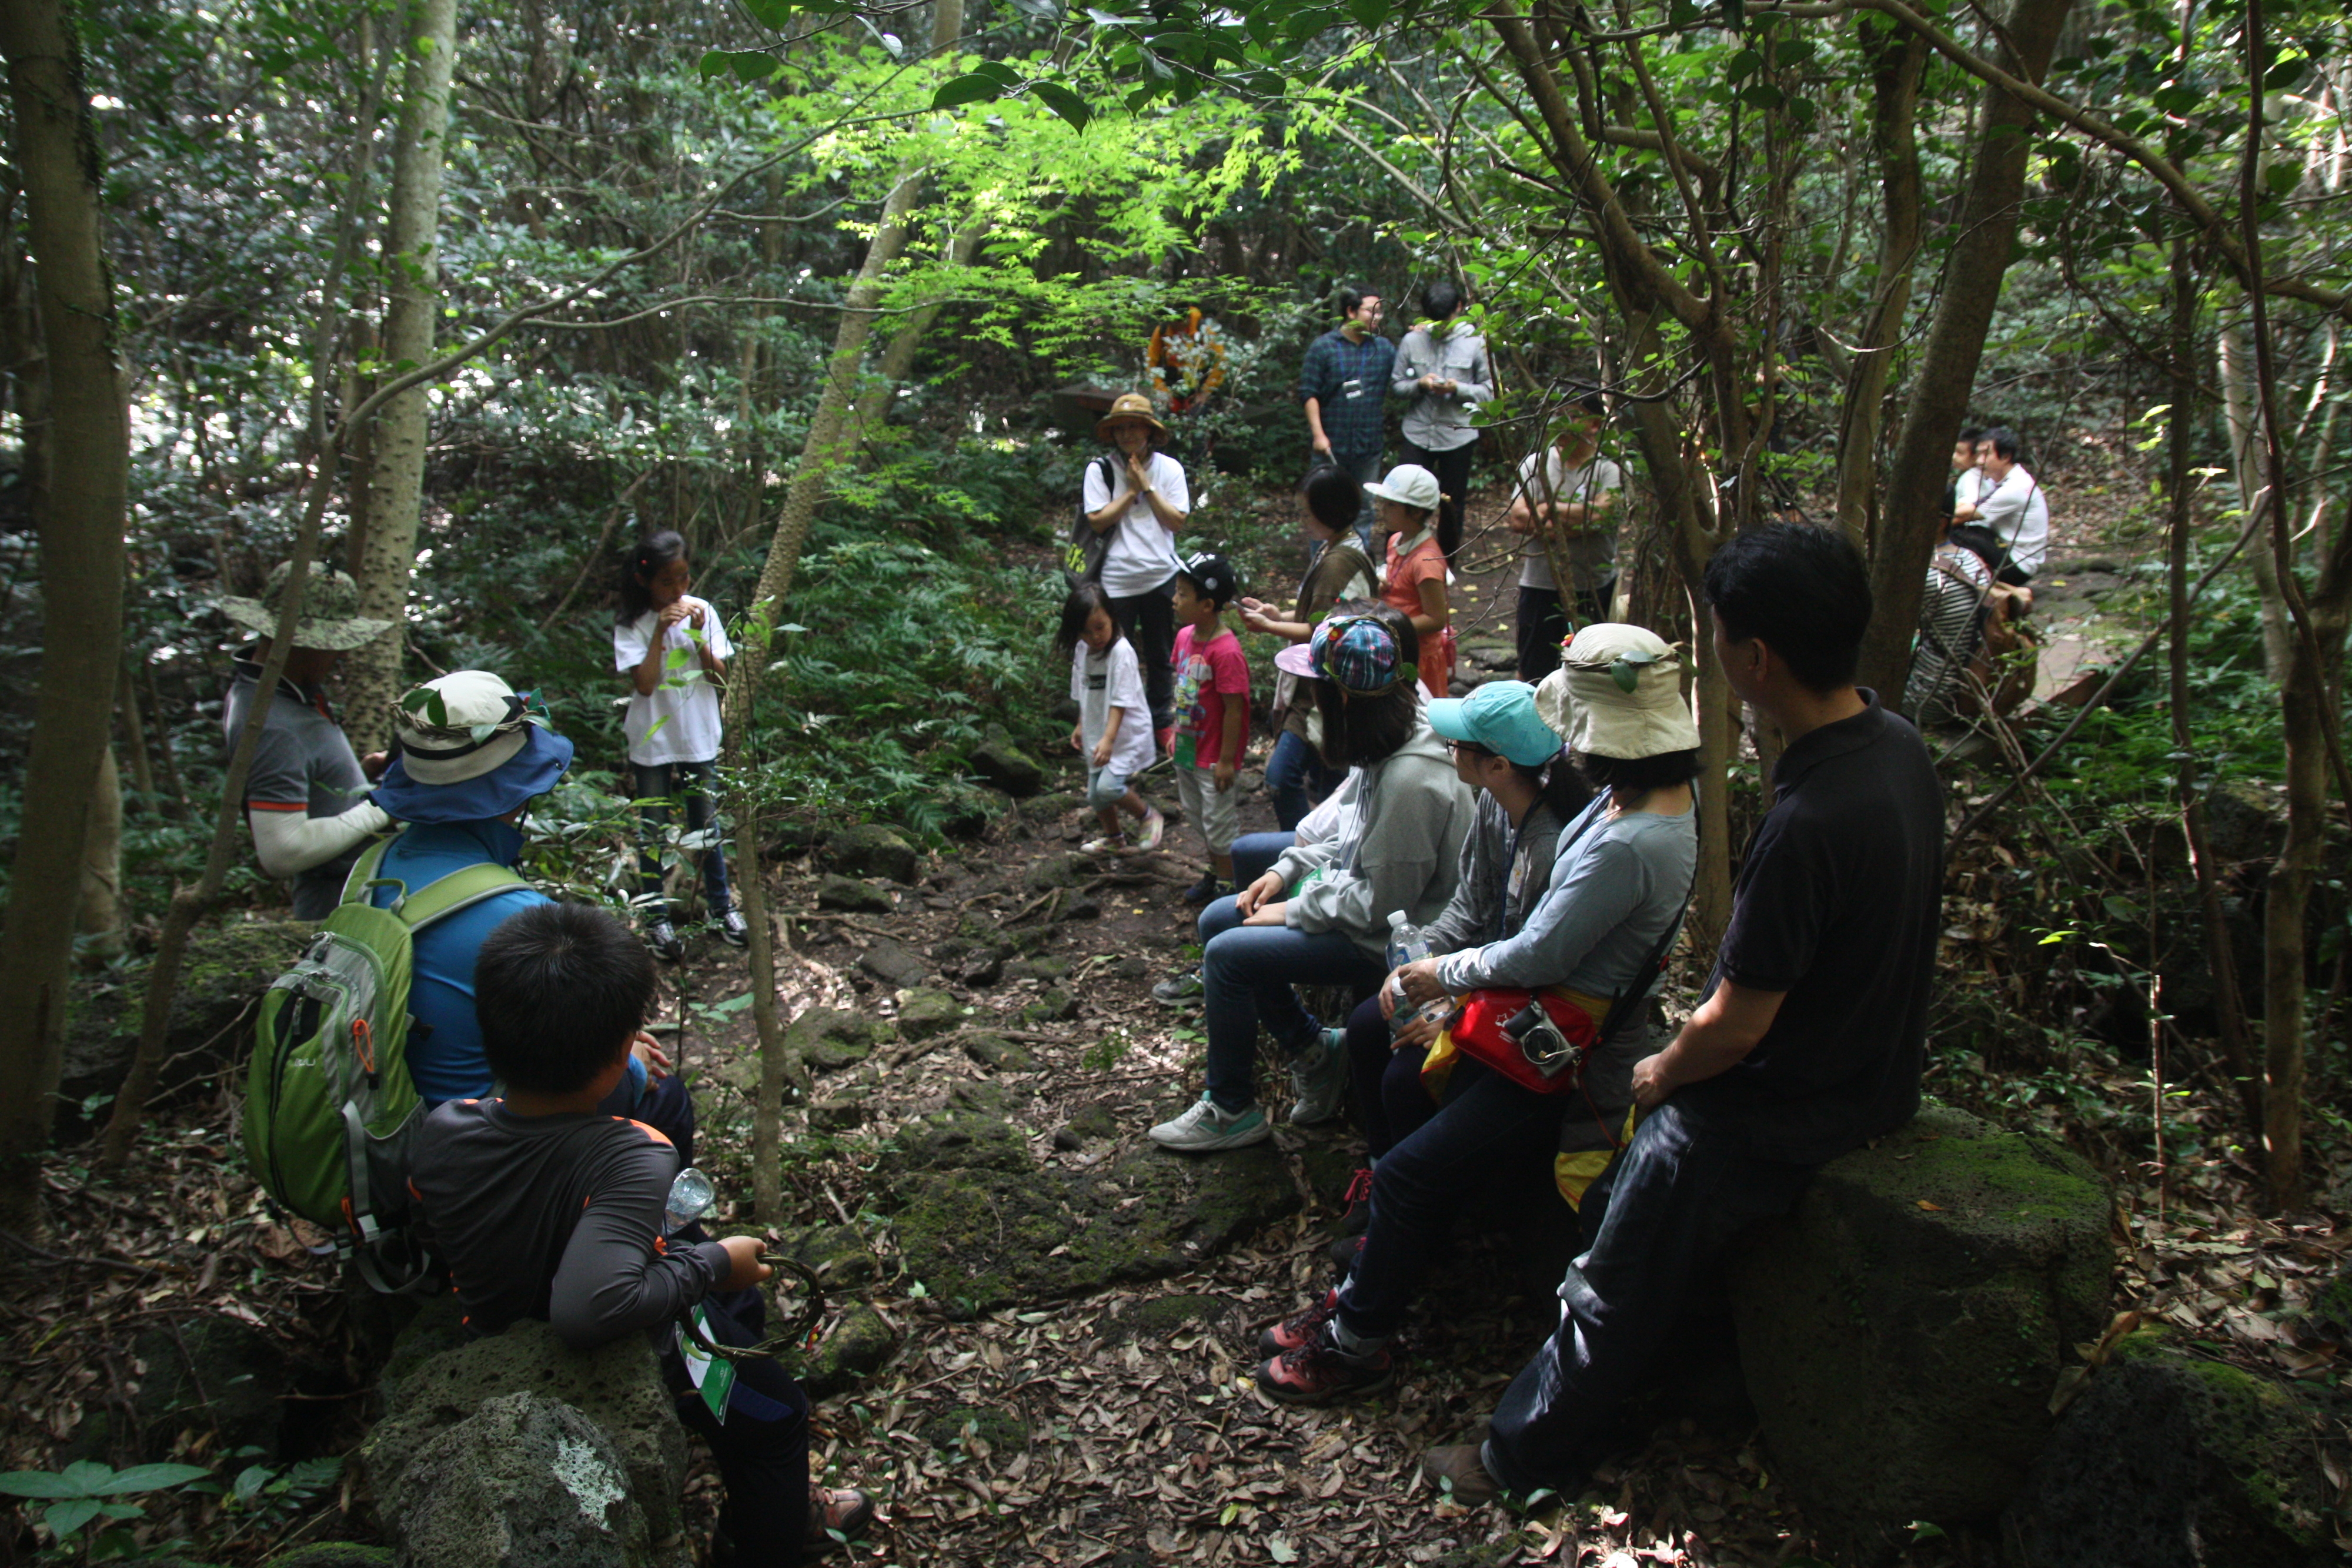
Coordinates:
[1113,727]
[673,647]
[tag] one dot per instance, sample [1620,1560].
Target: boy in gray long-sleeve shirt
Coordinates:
[545,1208]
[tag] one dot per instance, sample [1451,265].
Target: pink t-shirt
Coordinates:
[1400,590]
[1208,674]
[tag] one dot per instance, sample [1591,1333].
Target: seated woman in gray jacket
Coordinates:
[1390,838]
[1617,890]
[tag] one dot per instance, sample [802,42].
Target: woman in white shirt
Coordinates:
[1136,501]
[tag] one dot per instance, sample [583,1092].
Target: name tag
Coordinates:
[712,1375]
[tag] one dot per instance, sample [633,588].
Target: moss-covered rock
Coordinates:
[924,1013]
[1095,1120]
[1053,1007]
[1047,969]
[998,1054]
[228,968]
[873,849]
[828,1039]
[1050,871]
[854,1350]
[981,1239]
[334,1554]
[851,897]
[840,1112]
[836,1254]
[1002,1431]
[959,1140]
[895,964]
[1946,1270]
[999,762]
[2168,1459]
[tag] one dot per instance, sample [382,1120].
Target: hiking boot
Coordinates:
[1155,828]
[1321,1373]
[1461,1473]
[1205,1129]
[1207,890]
[1319,1075]
[733,928]
[663,938]
[1298,1328]
[1356,1204]
[1179,991]
[836,1514]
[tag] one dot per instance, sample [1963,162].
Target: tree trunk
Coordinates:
[1896,59]
[898,358]
[831,438]
[396,474]
[79,505]
[98,916]
[1987,232]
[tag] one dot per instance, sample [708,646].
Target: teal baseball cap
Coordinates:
[1501,716]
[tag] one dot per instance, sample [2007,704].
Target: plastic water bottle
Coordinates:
[1407,944]
[690,1197]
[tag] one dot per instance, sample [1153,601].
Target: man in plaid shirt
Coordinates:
[1343,383]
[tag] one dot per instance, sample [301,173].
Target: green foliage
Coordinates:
[86,1491]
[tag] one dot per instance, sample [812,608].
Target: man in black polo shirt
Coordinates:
[1811,1035]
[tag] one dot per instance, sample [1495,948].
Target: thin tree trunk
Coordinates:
[98,920]
[830,440]
[2228,1005]
[1947,366]
[372,676]
[80,504]
[898,358]
[1896,61]
[134,740]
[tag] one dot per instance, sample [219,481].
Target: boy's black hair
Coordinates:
[1358,730]
[1086,598]
[1587,400]
[1441,299]
[1969,434]
[1352,298]
[2004,441]
[560,989]
[1333,497]
[1803,589]
[1214,595]
[1638,775]
[653,552]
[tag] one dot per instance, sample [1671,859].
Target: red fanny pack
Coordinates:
[1539,1041]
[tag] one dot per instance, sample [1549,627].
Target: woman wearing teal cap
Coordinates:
[1608,906]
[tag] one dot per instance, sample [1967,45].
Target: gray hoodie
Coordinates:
[1390,838]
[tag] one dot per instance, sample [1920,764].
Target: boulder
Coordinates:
[1052,872]
[1053,1007]
[851,897]
[922,1014]
[530,1463]
[1094,1121]
[959,1140]
[894,964]
[831,1038]
[217,1375]
[998,1054]
[228,968]
[999,762]
[1903,1327]
[873,849]
[839,1113]
[986,1235]
[853,1350]
[524,1480]
[1047,969]
[2168,1459]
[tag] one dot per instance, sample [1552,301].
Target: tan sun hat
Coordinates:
[331,619]
[1128,405]
[1623,685]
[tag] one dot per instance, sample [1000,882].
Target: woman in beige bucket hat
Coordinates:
[1137,500]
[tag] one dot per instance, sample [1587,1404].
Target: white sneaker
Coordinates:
[1319,1075]
[1155,828]
[1204,1129]
[1108,843]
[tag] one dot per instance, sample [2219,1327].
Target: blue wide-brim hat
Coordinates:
[530,772]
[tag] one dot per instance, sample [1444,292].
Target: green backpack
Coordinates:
[329,1105]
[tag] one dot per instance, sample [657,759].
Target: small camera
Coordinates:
[1539,1039]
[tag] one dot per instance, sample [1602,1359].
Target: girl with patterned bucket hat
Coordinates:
[1134,501]
[1613,883]
[1390,838]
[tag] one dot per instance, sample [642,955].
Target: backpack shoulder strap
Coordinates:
[367,869]
[461,889]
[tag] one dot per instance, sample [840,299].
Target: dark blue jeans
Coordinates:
[1296,779]
[1254,854]
[763,1446]
[1490,1133]
[1654,1224]
[663,788]
[1246,973]
[1391,1104]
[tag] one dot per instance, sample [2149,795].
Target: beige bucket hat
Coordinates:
[1622,693]
[331,618]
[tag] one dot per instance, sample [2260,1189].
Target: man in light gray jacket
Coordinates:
[1443,368]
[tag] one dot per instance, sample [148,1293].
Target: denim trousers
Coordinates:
[763,1446]
[1490,1135]
[662,786]
[1254,854]
[1391,1102]
[1296,779]
[1655,1223]
[1246,973]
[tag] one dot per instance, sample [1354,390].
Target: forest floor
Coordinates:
[1134,1444]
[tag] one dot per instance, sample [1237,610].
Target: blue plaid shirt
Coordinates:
[1350,383]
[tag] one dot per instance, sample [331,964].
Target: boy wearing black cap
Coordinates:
[1212,715]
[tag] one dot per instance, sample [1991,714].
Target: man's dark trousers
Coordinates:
[1654,1222]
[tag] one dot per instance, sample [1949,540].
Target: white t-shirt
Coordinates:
[2018,513]
[1142,554]
[1593,552]
[677,721]
[1101,682]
